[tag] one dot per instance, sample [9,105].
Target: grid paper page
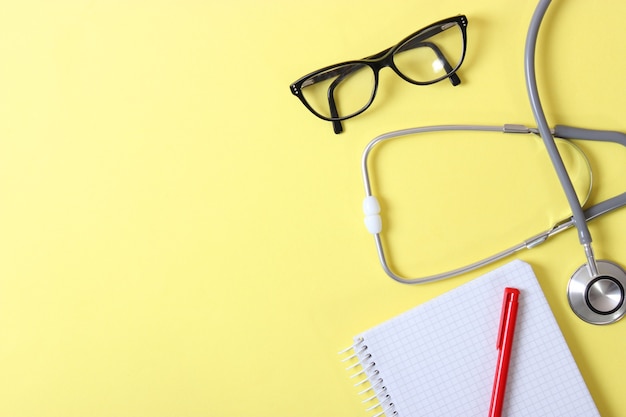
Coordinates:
[439,358]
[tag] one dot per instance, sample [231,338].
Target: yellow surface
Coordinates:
[181,237]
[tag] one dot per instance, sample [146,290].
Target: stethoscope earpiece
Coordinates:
[598,299]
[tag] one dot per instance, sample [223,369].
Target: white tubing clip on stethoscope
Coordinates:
[596,290]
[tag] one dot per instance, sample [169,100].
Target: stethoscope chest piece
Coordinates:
[599,299]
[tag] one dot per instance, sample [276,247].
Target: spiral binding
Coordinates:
[367,375]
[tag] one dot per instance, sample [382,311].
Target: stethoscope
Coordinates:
[596,290]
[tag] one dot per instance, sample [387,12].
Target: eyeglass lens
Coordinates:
[426,59]
[347,89]
[341,91]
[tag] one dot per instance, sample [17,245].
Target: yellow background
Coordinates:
[181,237]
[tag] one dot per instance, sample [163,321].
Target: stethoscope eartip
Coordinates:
[598,299]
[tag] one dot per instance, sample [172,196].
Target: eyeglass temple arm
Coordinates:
[337,125]
[454,79]
[416,43]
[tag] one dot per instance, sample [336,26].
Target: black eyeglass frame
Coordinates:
[382,60]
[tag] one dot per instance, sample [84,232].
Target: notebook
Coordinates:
[439,358]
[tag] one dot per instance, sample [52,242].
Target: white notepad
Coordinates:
[439,358]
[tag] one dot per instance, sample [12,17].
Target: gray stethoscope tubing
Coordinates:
[578,216]
[596,291]
[372,208]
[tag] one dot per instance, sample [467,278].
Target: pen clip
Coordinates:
[510,296]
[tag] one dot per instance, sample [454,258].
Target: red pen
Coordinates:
[504,344]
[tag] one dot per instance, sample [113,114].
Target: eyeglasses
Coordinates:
[341,91]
